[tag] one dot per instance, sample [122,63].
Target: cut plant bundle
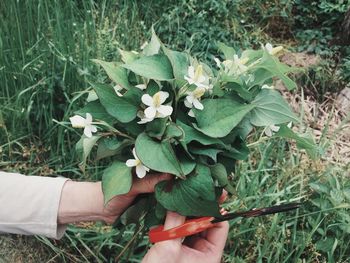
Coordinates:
[165,111]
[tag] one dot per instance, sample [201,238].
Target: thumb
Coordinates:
[147,184]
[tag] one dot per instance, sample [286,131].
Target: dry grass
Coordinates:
[331,117]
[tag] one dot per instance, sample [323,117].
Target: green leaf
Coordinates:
[305,141]
[194,135]
[220,116]
[219,172]
[179,62]
[116,73]
[276,68]
[157,67]
[238,151]
[111,146]
[156,128]
[174,131]
[228,52]
[152,47]
[209,152]
[97,111]
[116,180]
[187,165]
[194,196]
[134,212]
[128,56]
[84,147]
[158,156]
[271,108]
[122,108]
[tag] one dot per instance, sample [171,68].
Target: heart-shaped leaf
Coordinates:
[220,116]
[116,73]
[158,156]
[122,108]
[97,111]
[194,196]
[157,67]
[84,147]
[116,180]
[271,108]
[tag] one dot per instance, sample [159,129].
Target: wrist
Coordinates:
[82,201]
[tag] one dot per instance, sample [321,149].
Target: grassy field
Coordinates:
[45,52]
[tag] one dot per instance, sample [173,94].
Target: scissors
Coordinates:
[197,225]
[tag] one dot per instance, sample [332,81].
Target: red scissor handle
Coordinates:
[190,227]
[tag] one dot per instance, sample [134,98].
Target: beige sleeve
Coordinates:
[29,205]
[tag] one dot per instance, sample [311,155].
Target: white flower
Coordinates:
[272,129]
[143,118]
[80,122]
[267,87]
[197,77]
[233,67]
[141,86]
[141,170]
[144,45]
[117,88]
[155,108]
[92,96]
[272,50]
[193,99]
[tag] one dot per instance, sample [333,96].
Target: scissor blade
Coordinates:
[259,212]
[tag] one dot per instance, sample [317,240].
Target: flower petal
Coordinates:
[218,62]
[188,104]
[93,128]
[87,131]
[134,153]
[198,105]
[268,131]
[274,128]
[92,96]
[150,112]
[191,72]
[191,113]
[165,110]
[140,171]
[163,95]
[189,80]
[147,99]
[144,120]
[141,86]
[131,162]
[77,121]
[88,118]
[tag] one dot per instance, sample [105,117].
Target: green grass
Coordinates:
[45,52]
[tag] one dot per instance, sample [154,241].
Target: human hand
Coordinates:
[204,247]
[83,201]
[120,203]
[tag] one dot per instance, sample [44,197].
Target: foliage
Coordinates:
[185,117]
[46,49]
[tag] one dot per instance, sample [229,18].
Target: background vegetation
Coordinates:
[45,52]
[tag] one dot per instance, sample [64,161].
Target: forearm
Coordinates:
[81,201]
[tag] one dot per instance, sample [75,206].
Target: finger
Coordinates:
[147,184]
[217,235]
[173,220]
[223,211]
[223,196]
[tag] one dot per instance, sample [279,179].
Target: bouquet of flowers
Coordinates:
[164,111]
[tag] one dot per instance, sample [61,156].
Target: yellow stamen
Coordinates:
[244,60]
[198,72]
[156,99]
[198,92]
[275,50]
